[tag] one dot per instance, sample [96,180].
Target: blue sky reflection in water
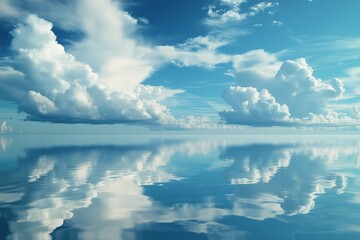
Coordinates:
[234,188]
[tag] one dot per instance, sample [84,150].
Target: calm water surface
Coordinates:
[97,187]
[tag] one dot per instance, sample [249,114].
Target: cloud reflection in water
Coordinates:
[118,192]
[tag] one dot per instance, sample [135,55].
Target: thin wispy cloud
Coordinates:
[230,12]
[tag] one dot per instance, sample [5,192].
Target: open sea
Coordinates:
[175,188]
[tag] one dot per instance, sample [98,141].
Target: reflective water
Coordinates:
[97,187]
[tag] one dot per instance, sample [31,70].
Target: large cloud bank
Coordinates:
[272,93]
[49,84]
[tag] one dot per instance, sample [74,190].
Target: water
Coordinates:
[101,187]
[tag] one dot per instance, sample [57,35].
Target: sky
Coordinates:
[115,66]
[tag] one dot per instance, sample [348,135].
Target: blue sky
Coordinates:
[105,66]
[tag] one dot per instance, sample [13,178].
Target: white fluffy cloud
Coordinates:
[295,94]
[202,57]
[52,85]
[256,66]
[96,79]
[296,86]
[250,107]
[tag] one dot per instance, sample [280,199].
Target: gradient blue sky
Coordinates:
[129,66]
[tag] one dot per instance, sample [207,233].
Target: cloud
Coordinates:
[332,119]
[12,83]
[110,45]
[50,84]
[255,65]
[5,128]
[7,10]
[277,23]
[108,42]
[293,94]
[209,42]
[200,51]
[352,76]
[262,6]
[250,107]
[303,92]
[230,11]
[257,25]
[98,78]
[202,57]
[232,2]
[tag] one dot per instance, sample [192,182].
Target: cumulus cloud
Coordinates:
[331,119]
[96,79]
[296,86]
[257,66]
[250,107]
[50,84]
[294,94]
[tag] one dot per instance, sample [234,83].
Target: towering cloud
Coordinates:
[250,107]
[288,95]
[109,45]
[52,85]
